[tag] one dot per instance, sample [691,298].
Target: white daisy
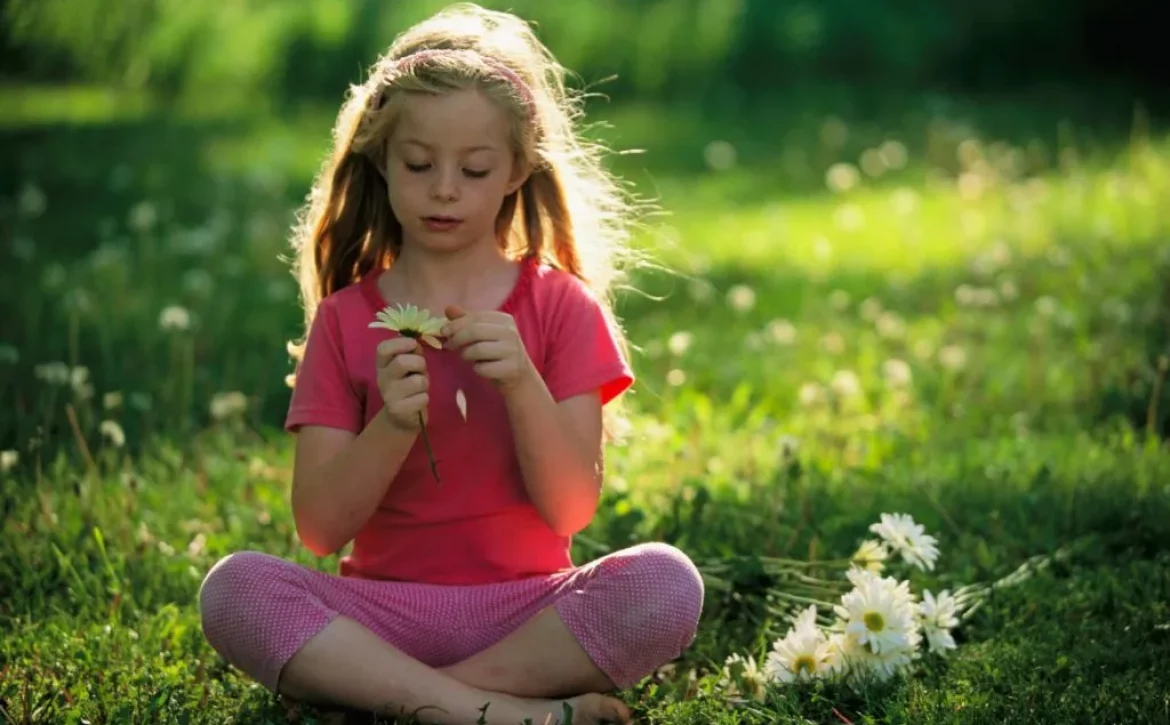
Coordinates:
[938,617]
[879,612]
[882,665]
[871,555]
[803,654]
[410,321]
[740,671]
[908,539]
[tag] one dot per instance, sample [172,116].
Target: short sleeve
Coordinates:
[323,394]
[583,353]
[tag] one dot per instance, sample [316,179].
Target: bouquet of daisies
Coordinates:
[862,625]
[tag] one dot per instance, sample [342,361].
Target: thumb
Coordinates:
[454,312]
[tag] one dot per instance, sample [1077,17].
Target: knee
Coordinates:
[232,590]
[670,587]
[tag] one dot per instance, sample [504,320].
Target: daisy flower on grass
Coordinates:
[937,618]
[803,654]
[909,539]
[417,324]
[871,555]
[743,672]
[880,612]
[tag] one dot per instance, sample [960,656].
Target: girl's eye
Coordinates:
[474,174]
[417,168]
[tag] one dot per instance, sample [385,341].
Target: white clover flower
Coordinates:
[938,618]
[879,612]
[846,384]
[782,332]
[891,326]
[908,539]
[680,342]
[897,373]
[53,373]
[174,318]
[803,654]
[741,298]
[842,177]
[811,394]
[79,381]
[952,357]
[113,432]
[1047,306]
[870,308]
[8,460]
[833,343]
[227,405]
[410,321]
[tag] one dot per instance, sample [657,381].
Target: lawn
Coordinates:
[954,310]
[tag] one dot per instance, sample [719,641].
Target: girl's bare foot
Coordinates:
[595,709]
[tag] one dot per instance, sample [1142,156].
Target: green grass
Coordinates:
[1050,285]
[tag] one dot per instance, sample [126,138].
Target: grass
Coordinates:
[1028,300]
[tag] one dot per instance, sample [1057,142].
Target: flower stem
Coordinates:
[427,442]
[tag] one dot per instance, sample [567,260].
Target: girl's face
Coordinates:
[450,163]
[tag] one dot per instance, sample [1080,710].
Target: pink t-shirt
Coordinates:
[477,525]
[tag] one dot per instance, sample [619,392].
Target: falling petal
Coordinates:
[432,341]
[461,401]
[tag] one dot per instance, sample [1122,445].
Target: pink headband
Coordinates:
[407,62]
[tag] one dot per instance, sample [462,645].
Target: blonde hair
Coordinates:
[570,212]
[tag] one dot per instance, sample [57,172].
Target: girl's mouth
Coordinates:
[441,223]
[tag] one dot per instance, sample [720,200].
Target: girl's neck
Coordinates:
[472,278]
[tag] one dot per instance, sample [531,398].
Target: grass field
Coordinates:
[960,312]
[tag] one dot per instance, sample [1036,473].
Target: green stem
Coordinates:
[427,442]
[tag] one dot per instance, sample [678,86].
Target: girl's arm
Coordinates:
[560,451]
[339,478]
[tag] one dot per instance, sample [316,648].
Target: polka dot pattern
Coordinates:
[631,611]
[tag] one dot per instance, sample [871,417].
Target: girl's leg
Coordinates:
[346,663]
[298,632]
[620,618]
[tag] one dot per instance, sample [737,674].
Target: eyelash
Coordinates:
[420,168]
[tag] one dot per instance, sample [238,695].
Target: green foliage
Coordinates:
[972,337]
[271,50]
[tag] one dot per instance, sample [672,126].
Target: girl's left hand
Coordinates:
[491,341]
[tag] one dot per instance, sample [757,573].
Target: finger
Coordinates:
[493,370]
[485,350]
[413,404]
[388,349]
[454,312]
[408,388]
[404,365]
[478,332]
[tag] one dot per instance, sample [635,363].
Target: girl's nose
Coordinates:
[445,187]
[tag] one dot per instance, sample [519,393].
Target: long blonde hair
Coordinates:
[573,214]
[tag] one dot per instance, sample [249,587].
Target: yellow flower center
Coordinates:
[804,663]
[874,622]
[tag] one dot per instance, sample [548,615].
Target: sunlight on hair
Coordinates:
[571,212]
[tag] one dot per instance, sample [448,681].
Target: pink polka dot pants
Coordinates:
[631,611]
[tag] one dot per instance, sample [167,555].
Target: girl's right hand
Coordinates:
[402,381]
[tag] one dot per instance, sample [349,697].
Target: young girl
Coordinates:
[457,185]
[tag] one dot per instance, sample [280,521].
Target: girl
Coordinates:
[457,185]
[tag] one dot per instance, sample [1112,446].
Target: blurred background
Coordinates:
[154,152]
